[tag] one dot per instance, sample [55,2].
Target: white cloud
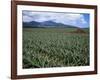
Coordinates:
[73,19]
[27,19]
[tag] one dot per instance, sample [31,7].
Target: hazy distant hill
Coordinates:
[34,24]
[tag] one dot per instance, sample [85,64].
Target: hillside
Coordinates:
[45,24]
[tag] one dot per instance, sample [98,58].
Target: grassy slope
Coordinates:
[54,48]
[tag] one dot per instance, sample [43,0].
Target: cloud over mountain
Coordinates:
[75,19]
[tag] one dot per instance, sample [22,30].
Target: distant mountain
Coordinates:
[31,24]
[34,24]
[51,24]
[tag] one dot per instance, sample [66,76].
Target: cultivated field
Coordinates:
[55,47]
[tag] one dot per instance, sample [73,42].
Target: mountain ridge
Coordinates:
[45,24]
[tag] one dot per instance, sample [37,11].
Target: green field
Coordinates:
[55,47]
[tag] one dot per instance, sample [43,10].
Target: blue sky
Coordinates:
[76,19]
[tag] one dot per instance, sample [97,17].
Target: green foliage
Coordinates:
[54,47]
